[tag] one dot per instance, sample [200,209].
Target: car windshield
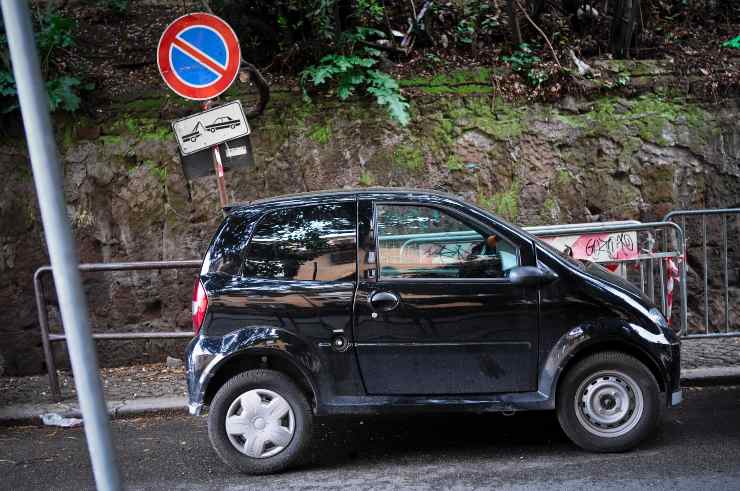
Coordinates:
[570,260]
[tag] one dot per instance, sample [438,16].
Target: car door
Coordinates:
[434,311]
[297,273]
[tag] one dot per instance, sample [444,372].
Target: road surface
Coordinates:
[697,448]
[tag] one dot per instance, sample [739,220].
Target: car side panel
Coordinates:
[313,311]
[580,313]
[575,316]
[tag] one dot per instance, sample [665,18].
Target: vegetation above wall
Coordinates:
[103,51]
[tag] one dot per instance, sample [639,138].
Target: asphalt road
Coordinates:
[697,448]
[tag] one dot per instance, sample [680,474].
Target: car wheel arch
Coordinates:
[612,344]
[252,359]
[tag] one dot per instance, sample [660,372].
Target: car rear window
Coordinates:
[315,243]
[225,253]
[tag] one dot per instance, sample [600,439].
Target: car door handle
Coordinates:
[383,301]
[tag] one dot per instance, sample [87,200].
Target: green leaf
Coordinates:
[355,78]
[318,74]
[7,84]
[344,91]
[55,30]
[347,84]
[732,43]
[369,31]
[62,93]
[387,93]
[396,105]
[351,71]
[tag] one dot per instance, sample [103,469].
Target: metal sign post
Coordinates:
[64,261]
[218,166]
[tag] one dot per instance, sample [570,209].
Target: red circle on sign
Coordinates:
[168,40]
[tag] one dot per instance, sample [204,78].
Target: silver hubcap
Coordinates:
[609,404]
[260,423]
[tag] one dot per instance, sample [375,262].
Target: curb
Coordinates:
[706,377]
[30,414]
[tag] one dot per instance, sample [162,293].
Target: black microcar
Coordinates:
[375,301]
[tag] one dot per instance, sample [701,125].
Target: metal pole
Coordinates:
[663,301]
[49,185]
[706,273]
[218,166]
[725,232]
[682,246]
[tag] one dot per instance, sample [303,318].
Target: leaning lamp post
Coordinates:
[62,252]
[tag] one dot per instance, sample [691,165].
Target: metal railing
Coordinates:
[644,261]
[649,263]
[48,338]
[723,252]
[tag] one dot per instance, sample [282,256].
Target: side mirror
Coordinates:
[530,276]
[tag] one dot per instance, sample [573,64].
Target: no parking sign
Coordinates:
[198,56]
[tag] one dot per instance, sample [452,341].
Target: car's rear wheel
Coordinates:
[260,422]
[609,402]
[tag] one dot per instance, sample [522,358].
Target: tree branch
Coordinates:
[262,87]
[542,33]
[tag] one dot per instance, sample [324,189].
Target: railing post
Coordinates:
[725,233]
[683,263]
[43,314]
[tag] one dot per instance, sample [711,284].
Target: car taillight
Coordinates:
[200,305]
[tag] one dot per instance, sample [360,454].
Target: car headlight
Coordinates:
[658,318]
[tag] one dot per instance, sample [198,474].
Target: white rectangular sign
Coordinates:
[209,128]
[599,248]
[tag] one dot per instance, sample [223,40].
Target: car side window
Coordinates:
[426,242]
[315,242]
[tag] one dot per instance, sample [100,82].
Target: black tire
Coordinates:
[610,366]
[293,453]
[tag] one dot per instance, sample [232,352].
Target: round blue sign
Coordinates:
[199,56]
[190,67]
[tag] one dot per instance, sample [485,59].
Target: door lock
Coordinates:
[340,343]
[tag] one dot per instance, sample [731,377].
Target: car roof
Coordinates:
[341,193]
[428,196]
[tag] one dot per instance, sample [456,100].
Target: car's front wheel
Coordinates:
[260,422]
[609,402]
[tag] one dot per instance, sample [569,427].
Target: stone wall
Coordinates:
[573,161]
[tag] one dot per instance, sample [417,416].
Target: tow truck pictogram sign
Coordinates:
[209,128]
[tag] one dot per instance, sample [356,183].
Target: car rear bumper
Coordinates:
[198,360]
[676,397]
[195,408]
